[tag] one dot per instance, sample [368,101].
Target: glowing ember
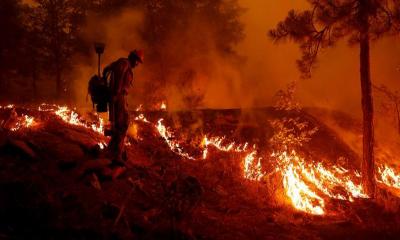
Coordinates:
[139,108]
[24,122]
[68,116]
[142,118]
[253,168]
[102,145]
[100,127]
[163,106]
[168,137]
[7,107]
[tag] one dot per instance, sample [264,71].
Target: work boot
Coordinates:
[120,160]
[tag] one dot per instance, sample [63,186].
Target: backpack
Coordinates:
[99,93]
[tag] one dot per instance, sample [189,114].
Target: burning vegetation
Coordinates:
[288,169]
[205,158]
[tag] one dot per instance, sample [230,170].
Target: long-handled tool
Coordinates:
[99,48]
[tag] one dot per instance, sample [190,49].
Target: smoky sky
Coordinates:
[335,81]
[266,67]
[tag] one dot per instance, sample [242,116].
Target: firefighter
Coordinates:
[120,77]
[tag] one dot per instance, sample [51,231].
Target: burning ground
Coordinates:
[209,174]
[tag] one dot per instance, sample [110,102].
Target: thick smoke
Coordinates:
[119,33]
[335,82]
[220,82]
[189,71]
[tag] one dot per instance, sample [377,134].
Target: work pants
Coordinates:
[119,118]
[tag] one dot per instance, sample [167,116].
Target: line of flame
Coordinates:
[307,185]
[168,136]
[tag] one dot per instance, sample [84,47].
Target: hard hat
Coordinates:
[136,55]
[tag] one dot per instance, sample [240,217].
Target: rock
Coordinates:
[22,147]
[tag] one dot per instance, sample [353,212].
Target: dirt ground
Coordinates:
[56,184]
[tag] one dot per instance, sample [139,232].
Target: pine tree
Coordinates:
[360,22]
[10,41]
[56,21]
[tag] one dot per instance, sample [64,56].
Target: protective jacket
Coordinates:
[120,77]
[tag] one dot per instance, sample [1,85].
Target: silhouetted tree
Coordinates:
[56,23]
[31,48]
[327,22]
[12,33]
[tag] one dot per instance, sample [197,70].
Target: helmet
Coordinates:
[136,55]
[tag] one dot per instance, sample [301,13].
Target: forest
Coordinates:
[199,119]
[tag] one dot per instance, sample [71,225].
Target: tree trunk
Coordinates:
[368,166]
[59,87]
[34,79]
[59,81]
[398,117]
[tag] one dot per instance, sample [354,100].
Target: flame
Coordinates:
[252,168]
[7,107]
[163,106]
[388,177]
[71,117]
[67,115]
[217,142]
[24,121]
[307,184]
[142,118]
[301,196]
[168,137]
[102,145]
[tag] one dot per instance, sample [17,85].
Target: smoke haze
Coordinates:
[335,81]
[263,69]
